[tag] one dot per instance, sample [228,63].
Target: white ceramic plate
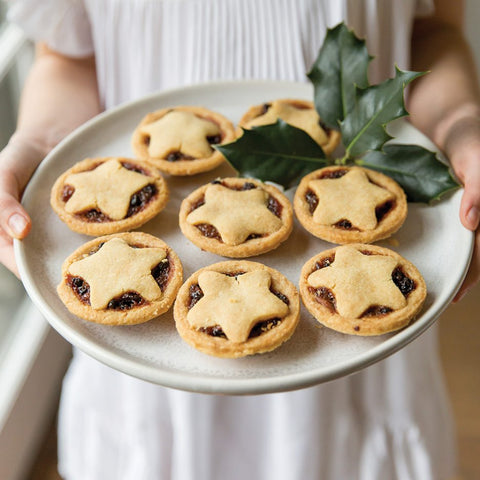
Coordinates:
[432,238]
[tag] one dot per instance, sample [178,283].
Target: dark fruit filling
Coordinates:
[214,139]
[161,273]
[332,174]
[256,331]
[67,193]
[345,225]
[263,327]
[195,294]
[325,297]
[126,301]
[265,108]
[176,156]
[253,236]
[312,201]
[245,186]
[215,331]
[209,231]
[402,281]
[376,310]
[281,296]
[325,262]
[80,288]
[198,203]
[141,198]
[135,168]
[383,209]
[146,140]
[94,216]
[274,206]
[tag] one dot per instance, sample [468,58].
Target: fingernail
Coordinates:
[17,224]
[473,217]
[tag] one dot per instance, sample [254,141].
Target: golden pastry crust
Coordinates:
[104,261]
[343,204]
[371,290]
[182,163]
[238,295]
[326,137]
[118,199]
[236,217]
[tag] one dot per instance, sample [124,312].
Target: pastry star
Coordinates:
[304,118]
[352,197]
[118,268]
[237,304]
[359,282]
[108,188]
[235,213]
[179,131]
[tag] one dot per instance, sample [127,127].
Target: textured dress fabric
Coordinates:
[389,421]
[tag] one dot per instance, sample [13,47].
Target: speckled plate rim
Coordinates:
[192,381]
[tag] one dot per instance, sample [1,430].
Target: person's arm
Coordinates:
[445,104]
[59,95]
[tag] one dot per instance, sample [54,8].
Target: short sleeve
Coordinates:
[62,24]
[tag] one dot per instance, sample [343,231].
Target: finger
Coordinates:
[473,274]
[7,256]
[470,203]
[14,220]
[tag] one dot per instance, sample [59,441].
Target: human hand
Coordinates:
[463,148]
[18,161]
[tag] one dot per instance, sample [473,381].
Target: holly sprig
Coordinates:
[345,101]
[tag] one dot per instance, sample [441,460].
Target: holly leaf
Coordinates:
[341,64]
[418,170]
[279,153]
[364,127]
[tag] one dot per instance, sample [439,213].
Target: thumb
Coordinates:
[470,203]
[14,220]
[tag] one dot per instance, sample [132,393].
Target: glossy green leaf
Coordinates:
[364,127]
[423,177]
[341,64]
[279,153]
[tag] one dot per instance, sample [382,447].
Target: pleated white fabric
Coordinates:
[390,421]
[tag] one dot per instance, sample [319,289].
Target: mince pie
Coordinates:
[236,308]
[236,217]
[362,289]
[121,279]
[100,196]
[298,113]
[343,204]
[180,140]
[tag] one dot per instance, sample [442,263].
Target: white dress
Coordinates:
[390,421]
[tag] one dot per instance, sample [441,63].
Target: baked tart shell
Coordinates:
[222,347]
[388,225]
[369,325]
[249,248]
[136,315]
[183,167]
[78,224]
